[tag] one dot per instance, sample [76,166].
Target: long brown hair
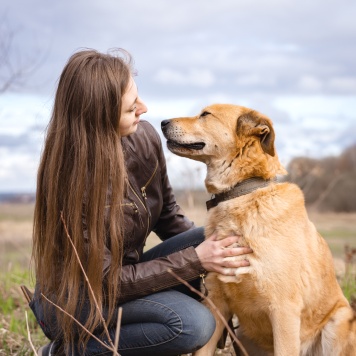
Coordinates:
[81,171]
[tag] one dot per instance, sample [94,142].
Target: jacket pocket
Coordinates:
[132,217]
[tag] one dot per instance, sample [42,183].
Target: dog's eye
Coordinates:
[204,113]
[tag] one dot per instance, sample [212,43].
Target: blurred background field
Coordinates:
[339,230]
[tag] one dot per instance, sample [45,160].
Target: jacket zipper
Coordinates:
[143,189]
[144,206]
[144,195]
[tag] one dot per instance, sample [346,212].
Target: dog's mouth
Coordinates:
[190,146]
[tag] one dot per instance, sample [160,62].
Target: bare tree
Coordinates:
[16,66]
[329,183]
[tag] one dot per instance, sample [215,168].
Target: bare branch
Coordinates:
[213,306]
[118,327]
[81,325]
[90,288]
[29,335]
[15,68]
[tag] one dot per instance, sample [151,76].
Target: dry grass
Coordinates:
[15,252]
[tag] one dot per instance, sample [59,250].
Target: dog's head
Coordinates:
[232,140]
[218,128]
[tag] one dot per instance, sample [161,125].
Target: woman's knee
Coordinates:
[165,321]
[198,325]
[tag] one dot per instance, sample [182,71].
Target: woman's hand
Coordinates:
[212,254]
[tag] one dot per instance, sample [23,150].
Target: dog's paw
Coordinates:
[243,270]
[229,279]
[237,278]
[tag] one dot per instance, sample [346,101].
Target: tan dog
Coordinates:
[288,300]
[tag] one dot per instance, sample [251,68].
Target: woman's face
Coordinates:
[131,109]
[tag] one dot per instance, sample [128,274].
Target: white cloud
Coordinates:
[19,112]
[328,106]
[18,171]
[165,109]
[192,76]
[255,80]
[310,83]
[342,84]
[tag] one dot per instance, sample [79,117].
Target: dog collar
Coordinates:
[245,187]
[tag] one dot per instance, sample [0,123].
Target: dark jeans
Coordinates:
[170,322]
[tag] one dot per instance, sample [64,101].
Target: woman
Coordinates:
[103,187]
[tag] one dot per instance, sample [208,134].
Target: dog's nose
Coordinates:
[165,123]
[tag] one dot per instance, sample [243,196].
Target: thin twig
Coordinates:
[29,335]
[118,326]
[81,325]
[90,288]
[213,306]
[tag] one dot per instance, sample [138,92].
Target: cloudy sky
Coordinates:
[292,60]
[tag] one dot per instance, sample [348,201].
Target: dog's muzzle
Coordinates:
[171,143]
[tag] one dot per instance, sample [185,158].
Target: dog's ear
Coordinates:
[254,124]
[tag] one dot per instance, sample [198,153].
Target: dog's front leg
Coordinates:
[210,348]
[286,331]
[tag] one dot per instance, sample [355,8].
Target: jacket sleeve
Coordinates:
[172,219]
[145,278]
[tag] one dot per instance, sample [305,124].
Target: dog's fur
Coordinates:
[288,300]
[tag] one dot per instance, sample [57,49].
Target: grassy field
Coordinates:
[339,230]
[15,255]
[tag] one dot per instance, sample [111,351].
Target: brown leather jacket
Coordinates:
[150,205]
